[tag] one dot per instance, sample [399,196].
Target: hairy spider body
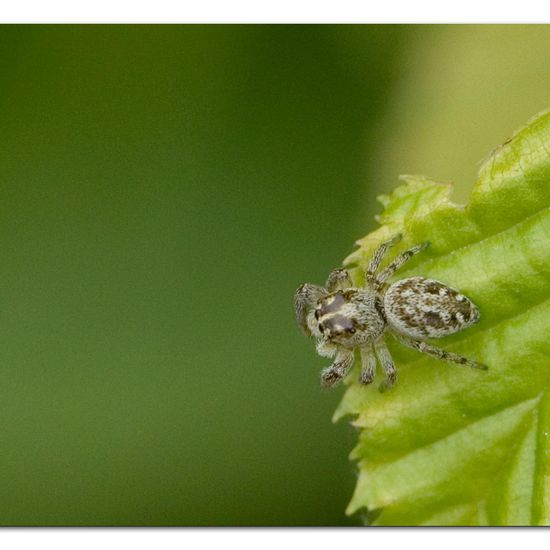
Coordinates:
[425,308]
[343,318]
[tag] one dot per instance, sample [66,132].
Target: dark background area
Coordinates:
[163,191]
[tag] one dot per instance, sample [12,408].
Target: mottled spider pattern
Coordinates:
[344,318]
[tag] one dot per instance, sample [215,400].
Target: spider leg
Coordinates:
[325,348]
[339,279]
[368,365]
[439,353]
[387,363]
[338,370]
[376,260]
[305,299]
[403,258]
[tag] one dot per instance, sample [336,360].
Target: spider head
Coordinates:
[348,318]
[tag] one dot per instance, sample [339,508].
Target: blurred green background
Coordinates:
[163,191]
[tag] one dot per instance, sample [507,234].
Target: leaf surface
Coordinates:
[448,445]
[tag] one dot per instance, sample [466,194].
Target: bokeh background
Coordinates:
[163,190]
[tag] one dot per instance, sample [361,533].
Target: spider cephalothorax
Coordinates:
[344,318]
[349,317]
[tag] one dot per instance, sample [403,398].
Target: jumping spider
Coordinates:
[343,317]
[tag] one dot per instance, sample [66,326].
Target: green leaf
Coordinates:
[449,445]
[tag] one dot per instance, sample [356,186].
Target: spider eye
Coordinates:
[351,330]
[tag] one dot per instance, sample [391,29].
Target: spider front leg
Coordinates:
[439,353]
[387,363]
[338,370]
[305,300]
[325,348]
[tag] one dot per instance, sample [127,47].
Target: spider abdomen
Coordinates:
[425,308]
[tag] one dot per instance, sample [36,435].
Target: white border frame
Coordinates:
[271,11]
